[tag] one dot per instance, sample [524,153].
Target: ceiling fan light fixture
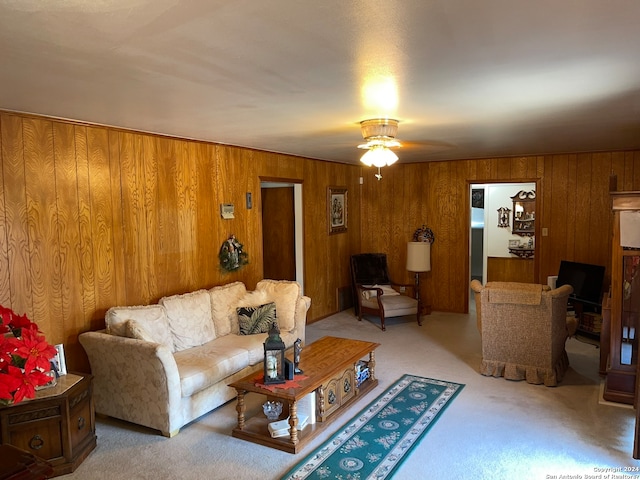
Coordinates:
[379,156]
[379,134]
[379,129]
[381,143]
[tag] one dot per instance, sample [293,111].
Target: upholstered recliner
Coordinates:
[524,328]
[375,292]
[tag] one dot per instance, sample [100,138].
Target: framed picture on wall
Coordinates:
[337,209]
[59,361]
[477,197]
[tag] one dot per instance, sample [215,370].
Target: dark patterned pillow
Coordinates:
[256,319]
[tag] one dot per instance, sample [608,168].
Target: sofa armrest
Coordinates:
[562,291]
[134,380]
[302,307]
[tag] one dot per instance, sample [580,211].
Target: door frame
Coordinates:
[266,182]
[537,229]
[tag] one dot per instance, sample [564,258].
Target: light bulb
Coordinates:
[379,156]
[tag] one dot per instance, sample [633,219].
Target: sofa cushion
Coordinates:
[285,294]
[203,366]
[224,300]
[252,344]
[256,319]
[153,318]
[133,329]
[190,319]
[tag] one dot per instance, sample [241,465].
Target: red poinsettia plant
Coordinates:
[25,356]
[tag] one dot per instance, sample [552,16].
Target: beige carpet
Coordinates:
[496,429]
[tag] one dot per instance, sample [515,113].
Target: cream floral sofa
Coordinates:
[165,365]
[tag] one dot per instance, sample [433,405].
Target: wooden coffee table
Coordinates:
[329,370]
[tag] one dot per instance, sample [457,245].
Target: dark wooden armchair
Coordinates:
[376,294]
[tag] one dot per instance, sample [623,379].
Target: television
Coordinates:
[586,280]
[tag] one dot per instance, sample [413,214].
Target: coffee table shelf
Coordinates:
[329,371]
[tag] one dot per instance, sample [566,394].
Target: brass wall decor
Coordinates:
[503,217]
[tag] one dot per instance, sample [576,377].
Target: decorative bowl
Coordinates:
[272,410]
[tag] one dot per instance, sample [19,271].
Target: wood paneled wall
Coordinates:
[573,204]
[510,269]
[92,217]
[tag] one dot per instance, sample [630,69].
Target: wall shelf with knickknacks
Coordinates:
[522,249]
[522,252]
[524,215]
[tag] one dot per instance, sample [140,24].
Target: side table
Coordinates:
[16,464]
[58,425]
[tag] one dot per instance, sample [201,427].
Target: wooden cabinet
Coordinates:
[624,302]
[57,426]
[335,393]
[16,464]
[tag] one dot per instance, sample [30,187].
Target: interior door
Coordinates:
[278,227]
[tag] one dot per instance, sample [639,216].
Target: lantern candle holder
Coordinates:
[274,357]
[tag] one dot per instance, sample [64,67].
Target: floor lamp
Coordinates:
[418,261]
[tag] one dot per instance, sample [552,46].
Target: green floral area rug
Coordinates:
[377,440]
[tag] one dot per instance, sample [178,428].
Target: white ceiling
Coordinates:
[472,78]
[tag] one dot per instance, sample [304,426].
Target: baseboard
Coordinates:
[602,401]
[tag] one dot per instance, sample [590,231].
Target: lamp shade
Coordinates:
[418,256]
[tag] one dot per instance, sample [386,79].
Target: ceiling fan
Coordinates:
[380,137]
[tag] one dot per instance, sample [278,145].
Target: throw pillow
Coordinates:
[285,294]
[133,329]
[256,319]
[116,317]
[190,321]
[386,290]
[152,318]
[249,299]
[224,300]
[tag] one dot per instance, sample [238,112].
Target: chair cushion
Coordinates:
[190,319]
[394,305]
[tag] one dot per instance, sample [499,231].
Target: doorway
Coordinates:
[496,253]
[282,244]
